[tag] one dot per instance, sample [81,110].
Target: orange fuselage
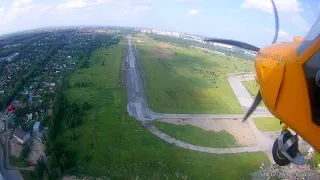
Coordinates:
[284,88]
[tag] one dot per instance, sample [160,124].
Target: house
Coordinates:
[36,127]
[21,136]
[52,87]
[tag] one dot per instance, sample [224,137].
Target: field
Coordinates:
[267,124]
[111,145]
[26,175]
[188,80]
[252,88]
[18,162]
[197,136]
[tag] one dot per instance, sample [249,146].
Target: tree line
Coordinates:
[66,114]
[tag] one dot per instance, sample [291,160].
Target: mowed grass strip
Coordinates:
[111,145]
[197,136]
[267,124]
[187,80]
[253,87]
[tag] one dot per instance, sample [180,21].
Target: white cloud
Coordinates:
[283,33]
[193,12]
[188,0]
[140,1]
[268,30]
[141,8]
[123,13]
[21,3]
[75,4]
[284,6]
[1,9]
[289,10]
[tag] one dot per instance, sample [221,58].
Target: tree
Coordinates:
[25,150]
[39,169]
[20,112]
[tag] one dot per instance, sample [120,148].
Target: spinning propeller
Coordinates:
[247,46]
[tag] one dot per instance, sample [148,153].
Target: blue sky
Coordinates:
[245,20]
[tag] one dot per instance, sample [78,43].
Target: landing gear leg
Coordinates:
[285,149]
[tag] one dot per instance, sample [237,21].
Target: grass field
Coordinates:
[253,88]
[112,145]
[18,162]
[315,162]
[197,136]
[267,124]
[181,80]
[26,175]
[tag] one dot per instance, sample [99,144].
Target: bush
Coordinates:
[25,150]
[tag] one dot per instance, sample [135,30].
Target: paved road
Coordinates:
[137,105]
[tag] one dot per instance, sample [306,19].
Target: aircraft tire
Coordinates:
[278,157]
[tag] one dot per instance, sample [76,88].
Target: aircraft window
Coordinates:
[312,34]
[311,68]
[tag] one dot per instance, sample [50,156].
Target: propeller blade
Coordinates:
[276,17]
[254,105]
[234,43]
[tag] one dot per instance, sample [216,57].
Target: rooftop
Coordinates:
[19,133]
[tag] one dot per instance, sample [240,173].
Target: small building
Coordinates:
[52,87]
[21,136]
[36,127]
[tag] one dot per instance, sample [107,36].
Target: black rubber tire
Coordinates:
[278,157]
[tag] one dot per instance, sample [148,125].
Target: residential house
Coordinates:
[21,136]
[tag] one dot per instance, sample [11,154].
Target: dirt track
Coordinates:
[241,131]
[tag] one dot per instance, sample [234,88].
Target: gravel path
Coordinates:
[185,145]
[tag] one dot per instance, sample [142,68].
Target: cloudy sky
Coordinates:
[246,20]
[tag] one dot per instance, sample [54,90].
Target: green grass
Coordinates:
[18,162]
[253,88]
[197,136]
[267,124]
[108,143]
[315,162]
[27,175]
[181,80]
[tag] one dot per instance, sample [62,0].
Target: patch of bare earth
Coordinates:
[241,131]
[163,51]
[15,148]
[37,150]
